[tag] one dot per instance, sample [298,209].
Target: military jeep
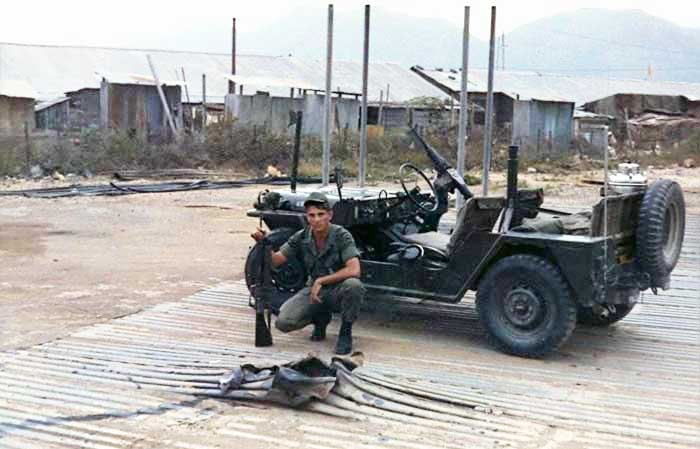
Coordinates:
[537,272]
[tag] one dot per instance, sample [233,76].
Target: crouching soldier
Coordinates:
[331,261]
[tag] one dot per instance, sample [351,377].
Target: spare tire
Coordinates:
[660,229]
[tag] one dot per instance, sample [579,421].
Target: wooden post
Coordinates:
[164,102]
[27,148]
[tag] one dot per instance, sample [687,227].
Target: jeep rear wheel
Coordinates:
[525,306]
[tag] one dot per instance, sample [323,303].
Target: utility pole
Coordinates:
[363,117]
[488,126]
[231,84]
[204,105]
[325,175]
[463,103]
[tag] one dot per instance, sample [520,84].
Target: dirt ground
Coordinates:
[70,262]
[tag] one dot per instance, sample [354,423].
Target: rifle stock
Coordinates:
[263,286]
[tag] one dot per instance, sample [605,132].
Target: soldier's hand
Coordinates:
[315,294]
[259,234]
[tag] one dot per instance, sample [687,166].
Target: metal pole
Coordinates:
[489,109]
[363,117]
[297,149]
[204,104]
[463,106]
[325,175]
[231,84]
[164,102]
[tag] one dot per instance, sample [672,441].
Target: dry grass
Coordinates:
[253,149]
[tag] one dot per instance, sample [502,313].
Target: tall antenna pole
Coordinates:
[325,175]
[489,108]
[231,84]
[363,117]
[463,104]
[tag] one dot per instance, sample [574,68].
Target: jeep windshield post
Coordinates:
[537,273]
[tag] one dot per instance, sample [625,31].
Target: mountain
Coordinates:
[594,42]
[393,38]
[599,42]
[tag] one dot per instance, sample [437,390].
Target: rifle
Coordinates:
[263,289]
[442,166]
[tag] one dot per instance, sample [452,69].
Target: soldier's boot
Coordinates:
[344,344]
[320,321]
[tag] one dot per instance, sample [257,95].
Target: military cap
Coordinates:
[317,199]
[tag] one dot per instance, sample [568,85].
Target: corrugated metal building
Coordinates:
[78,109]
[53,114]
[551,98]
[624,105]
[54,70]
[16,107]
[538,117]
[133,103]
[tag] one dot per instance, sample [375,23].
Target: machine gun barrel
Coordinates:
[441,165]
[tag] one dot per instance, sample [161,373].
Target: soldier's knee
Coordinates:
[285,325]
[353,284]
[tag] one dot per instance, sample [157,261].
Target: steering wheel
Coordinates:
[411,196]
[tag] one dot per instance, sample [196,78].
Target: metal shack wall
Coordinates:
[503,107]
[14,113]
[635,104]
[543,126]
[272,113]
[54,116]
[138,107]
[85,108]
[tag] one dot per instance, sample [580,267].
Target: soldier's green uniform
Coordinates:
[345,297]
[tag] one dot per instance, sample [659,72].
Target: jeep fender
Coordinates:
[580,259]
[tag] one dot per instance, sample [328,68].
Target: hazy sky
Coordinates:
[136,23]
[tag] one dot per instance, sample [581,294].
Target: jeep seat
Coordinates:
[440,246]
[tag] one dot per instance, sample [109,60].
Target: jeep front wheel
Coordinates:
[525,306]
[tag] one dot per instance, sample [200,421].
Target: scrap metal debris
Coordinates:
[293,384]
[343,389]
[113,189]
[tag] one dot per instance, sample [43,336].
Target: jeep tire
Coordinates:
[288,278]
[660,229]
[526,306]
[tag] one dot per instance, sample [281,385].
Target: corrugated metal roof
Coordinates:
[556,87]
[130,78]
[17,89]
[48,104]
[54,70]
